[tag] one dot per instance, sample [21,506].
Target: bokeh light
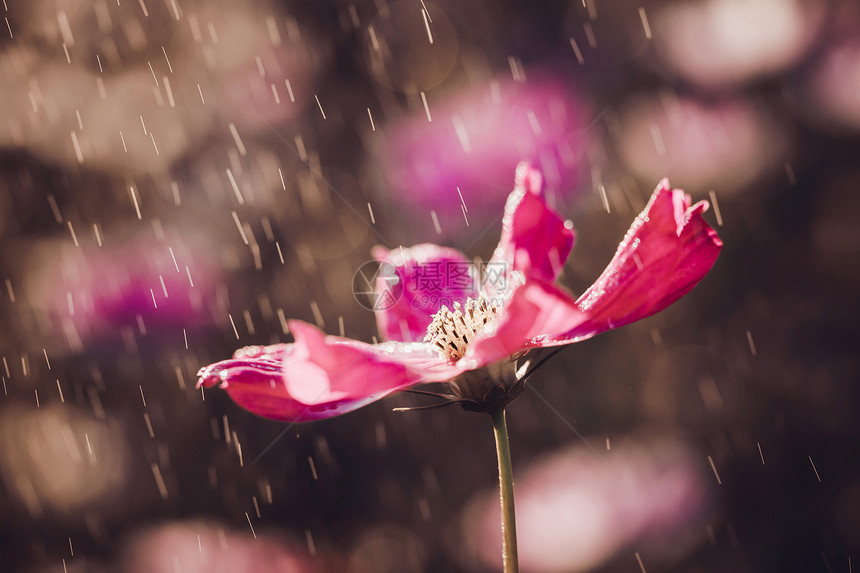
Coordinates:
[719,43]
[59,460]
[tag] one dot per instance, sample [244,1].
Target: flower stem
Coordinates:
[506,493]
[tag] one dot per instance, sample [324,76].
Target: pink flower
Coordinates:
[474,348]
[644,492]
[477,135]
[198,546]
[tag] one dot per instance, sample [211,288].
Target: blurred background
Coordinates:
[178,177]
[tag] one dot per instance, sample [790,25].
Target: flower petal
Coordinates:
[322,376]
[667,251]
[535,311]
[429,276]
[535,239]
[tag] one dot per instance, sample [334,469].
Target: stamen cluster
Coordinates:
[451,330]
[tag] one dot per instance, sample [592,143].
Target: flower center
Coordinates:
[451,330]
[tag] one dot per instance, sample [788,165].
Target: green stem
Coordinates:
[506,493]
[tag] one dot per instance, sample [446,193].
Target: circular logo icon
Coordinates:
[376,285]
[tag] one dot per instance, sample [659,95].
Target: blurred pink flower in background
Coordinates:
[724,145]
[204,547]
[668,249]
[135,280]
[476,138]
[576,508]
[717,43]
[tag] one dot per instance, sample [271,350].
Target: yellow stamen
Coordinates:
[451,330]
